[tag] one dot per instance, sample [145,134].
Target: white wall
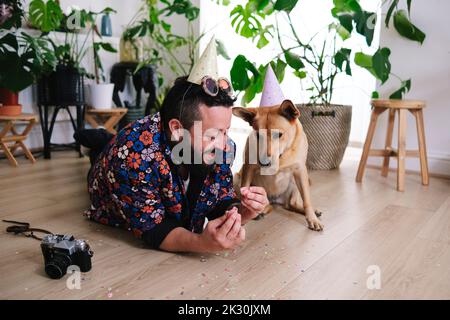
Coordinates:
[428,66]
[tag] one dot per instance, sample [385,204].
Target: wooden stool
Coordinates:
[401,107]
[15,137]
[108,118]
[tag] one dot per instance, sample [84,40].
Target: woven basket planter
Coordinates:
[327,129]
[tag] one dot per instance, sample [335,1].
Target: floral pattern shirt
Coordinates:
[133,183]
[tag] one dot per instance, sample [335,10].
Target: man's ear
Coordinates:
[289,110]
[247,114]
[176,129]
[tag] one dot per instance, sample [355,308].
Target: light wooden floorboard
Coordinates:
[407,235]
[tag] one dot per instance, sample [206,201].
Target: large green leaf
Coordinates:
[285,5]
[341,57]
[378,64]
[245,21]
[365,24]
[20,67]
[404,88]
[239,73]
[345,6]
[406,28]
[45,16]
[381,64]
[293,60]
[279,67]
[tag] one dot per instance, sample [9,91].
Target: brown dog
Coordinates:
[279,165]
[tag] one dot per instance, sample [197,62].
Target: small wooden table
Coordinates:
[108,118]
[16,138]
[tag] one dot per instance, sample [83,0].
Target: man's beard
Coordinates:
[202,164]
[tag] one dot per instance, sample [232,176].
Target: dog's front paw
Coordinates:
[314,224]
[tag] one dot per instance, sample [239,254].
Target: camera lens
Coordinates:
[57,267]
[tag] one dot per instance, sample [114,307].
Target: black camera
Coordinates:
[62,251]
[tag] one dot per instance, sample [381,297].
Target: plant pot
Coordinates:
[10,110]
[327,129]
[64,86]
[101,95]
[8,98]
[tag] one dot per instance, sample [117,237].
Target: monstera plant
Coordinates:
[317,61]
[328,58]
[23,58]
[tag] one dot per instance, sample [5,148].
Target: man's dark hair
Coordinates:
[184,99]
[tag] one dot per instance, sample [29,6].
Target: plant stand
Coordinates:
[107,118]
[47,128]
[16,137]
[401,107]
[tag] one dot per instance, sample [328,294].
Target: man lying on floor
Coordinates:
[134,182]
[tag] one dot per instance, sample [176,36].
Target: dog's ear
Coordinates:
[289,110]
[247,114]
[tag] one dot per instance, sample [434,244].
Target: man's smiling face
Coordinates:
[215,123]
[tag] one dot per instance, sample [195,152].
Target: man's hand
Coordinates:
[224,232]
[254,201]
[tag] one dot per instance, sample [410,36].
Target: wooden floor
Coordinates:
[405,235]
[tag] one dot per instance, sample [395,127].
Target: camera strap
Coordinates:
[24,228]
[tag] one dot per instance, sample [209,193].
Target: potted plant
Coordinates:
[23,58]
[65,86]
[101,93]
[148,40]
[317,62]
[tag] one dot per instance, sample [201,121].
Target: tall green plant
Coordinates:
[326,58]
[151,22]
[23,58]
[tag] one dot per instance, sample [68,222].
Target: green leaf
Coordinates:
[279,68]
[378,64]
[245,21]
[285,5]
[239,72]
[405,87]
[107,47]
[263,39]
[381,64]
[390,11]
[300,74]
[365,61]
[345,6]
[346,22]
[406,29]
[375,95]
[293,60]
[365,24]
[341,57]
[167,27]
[343,32]
[221,50]
[45,16]
[13,64]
